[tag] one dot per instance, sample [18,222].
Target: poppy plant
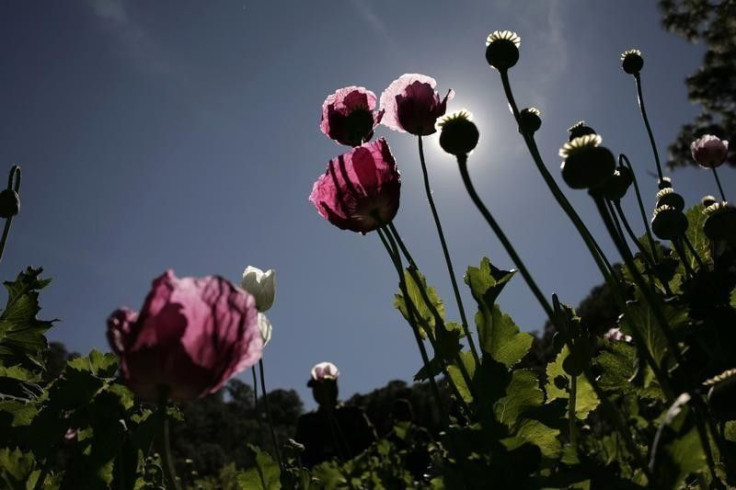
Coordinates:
[413,105]
[190,337]
[360,189]
[348,116]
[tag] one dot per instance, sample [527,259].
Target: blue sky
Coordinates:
[185,135]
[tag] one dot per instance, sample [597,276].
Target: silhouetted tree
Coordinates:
[713,85]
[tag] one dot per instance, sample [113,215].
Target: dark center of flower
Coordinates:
[359,125]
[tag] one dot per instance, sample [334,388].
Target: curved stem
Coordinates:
[643,109]
[683,257]
[264,397]
[446,252]
[718,183]
[632,235]
[623,158]
[462,161]
[439,321]
[164,445]
[396,260]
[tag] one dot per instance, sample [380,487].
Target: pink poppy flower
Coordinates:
[348,116]
[413,105]
[191,336]
[360,189]
[709,151]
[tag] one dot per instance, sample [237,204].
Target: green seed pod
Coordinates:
[529,120]
[502,49]
[720,225]
[668,197]
[617,184]
[669,223]
[459,135]
[586,165]
[579,129]
[632,61]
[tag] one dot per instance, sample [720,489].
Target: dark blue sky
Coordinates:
[185,135]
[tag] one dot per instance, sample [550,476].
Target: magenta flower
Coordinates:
[348,116]
[360,189]
[413,105]
[709,151]
[191,336]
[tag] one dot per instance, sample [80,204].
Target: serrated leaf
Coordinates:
[498,335]
[265,475]
[457,377]
[522,393]
[696,220]
[585,399]
[417,291]
[501,338]
[22,339]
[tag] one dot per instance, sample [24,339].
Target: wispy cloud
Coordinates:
[375,22]
[132,37]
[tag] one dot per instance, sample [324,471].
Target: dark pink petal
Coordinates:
[412,104]
[357,187]
[119,325]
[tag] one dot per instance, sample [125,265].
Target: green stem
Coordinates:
[396,259]
[268,413]
[693,252]
[446,252]
[255,388]
[683,257]
[571,412]
[646,123]
[13,184]
[462,161]
[439,321]
[164,445]
[623,158]
[718,183]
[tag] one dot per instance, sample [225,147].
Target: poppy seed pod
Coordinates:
[587,165]
[529,120]
[720,224]
[502,49]
[708,201]
[458,134]
[579,129]
[632,61]
[669,223]
[617,184]
[9,203]
[668,197]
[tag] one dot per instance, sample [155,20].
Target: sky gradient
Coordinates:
[185,135]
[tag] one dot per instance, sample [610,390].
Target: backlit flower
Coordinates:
[190,337]
[412,104]
[709,151]
[360,189]
[348,116]
[324,370]
[262,285]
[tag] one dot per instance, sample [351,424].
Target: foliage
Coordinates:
[713,85]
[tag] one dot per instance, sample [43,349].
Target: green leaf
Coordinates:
[457,377]
[417,290]
[677,451]
[265,475]
[499,337]
[22,339]
[585,399]
[535,432]
[696,220]
[17,469]
[522,393]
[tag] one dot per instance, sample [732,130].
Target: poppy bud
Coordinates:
[664,183]
[669,223]
[9,203]
[631,61]
[502,49]
[587,165]
[579,129]
[720,223]
[530,120]
[459,135]
[262,285]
